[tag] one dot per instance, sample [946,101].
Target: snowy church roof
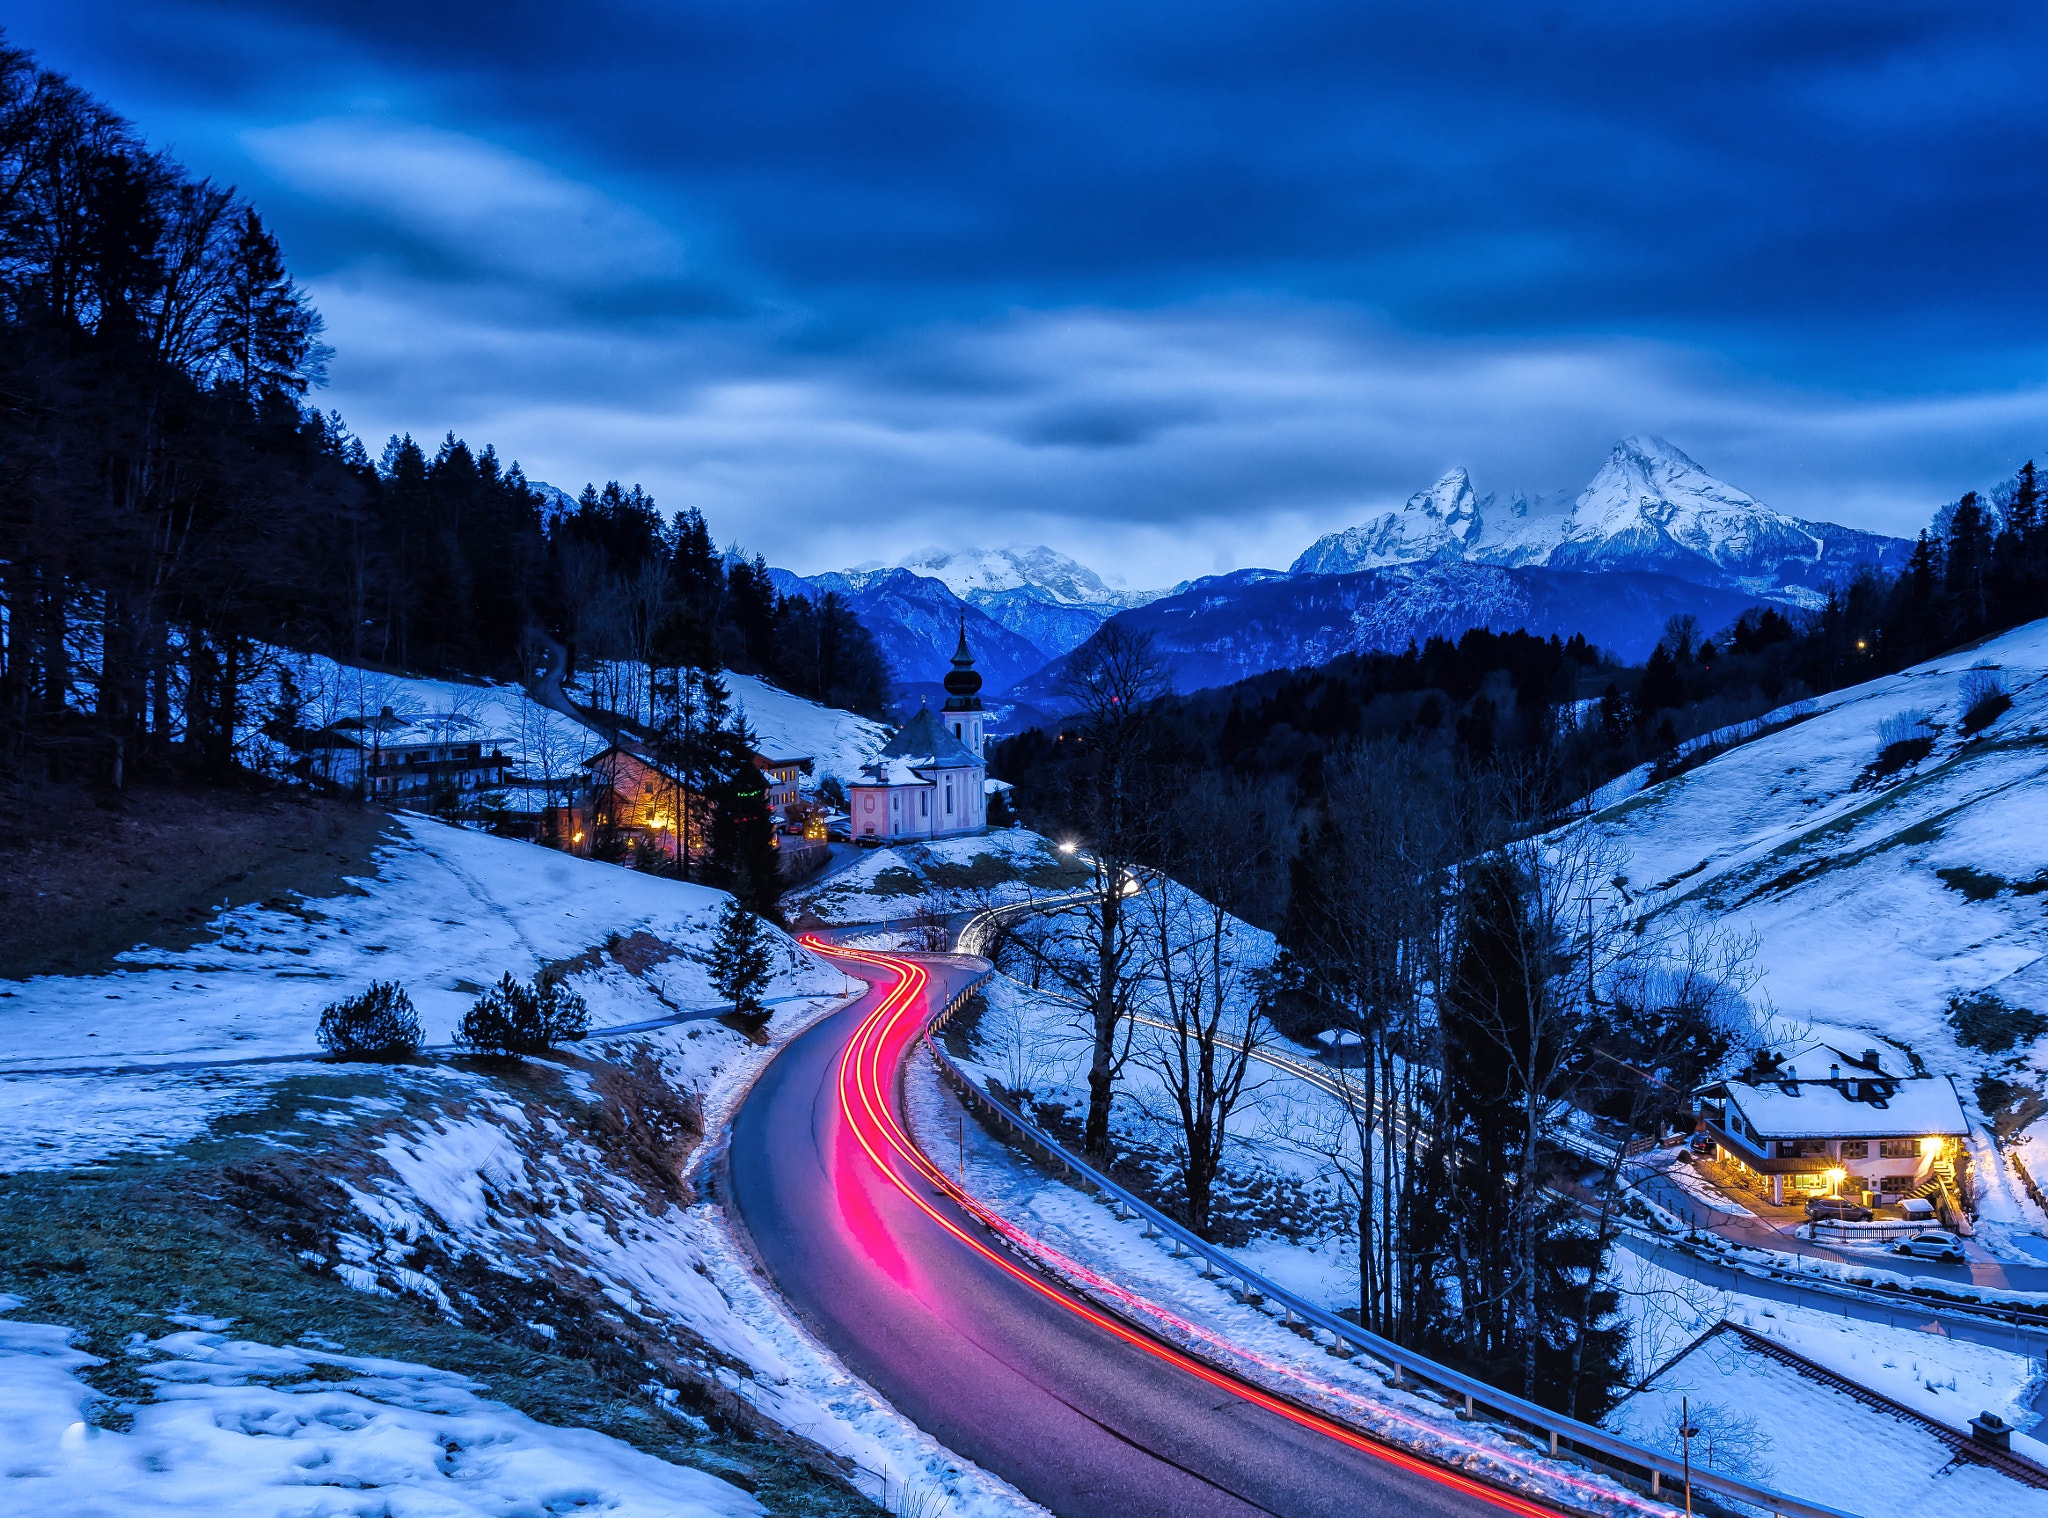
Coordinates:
[927,742]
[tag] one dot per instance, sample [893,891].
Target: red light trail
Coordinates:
[867,1068]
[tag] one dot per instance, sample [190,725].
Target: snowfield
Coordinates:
[248,1428]
[560,1184]
[995,868]
[837,742]
[1878,900]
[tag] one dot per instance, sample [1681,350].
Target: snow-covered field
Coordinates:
[447,914]
[542,743]
[837,742]
[995,868]
[451,1177]
[248,1428]
[1769,1423]
[1876,902]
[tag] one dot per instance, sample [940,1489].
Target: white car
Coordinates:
[1932,1245]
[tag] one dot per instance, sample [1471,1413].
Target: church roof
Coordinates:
[925,740]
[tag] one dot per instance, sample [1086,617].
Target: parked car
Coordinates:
[1932,1245]
[1701,1143]
[1836,1207]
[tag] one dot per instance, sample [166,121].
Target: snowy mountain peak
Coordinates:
[1654,505]
[1650,507]
[976,574]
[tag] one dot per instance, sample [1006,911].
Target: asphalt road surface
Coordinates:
[989,1358]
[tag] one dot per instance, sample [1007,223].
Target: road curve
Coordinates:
[1080,1412]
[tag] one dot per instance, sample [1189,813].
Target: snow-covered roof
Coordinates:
[927,740]
[990,786]
[1824,1109]
[890,772]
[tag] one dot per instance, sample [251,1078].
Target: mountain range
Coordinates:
[1653,534]
[1650,508]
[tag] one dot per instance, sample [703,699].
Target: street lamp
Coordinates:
[1687,1432]
[1066,848]
[1835,1179]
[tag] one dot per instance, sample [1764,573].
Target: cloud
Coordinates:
[466,208]
[1155,445]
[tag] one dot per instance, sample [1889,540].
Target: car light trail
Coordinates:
[866,1077]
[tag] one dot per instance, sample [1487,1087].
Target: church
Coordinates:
[929,781]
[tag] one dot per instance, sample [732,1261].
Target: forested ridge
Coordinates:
[171,505]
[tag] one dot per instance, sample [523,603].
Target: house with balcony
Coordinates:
[416,759]
[1828,1123]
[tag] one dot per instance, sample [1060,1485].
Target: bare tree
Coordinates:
[1109,685]
[1226,842]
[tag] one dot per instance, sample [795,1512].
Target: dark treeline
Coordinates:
[1378,814]
[169,503]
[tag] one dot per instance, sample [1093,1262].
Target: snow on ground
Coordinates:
[1110,1259]
[837,742]
[1770,1423]
[674,1271]
[993,868]
[252,1428]
[447,914]
[541,742]
[1875,903]
[1946,1379]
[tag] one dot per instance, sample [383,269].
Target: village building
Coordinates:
[930,780]
[645,799]
[404,760]
[1861,1131]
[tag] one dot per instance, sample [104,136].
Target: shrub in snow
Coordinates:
[1902,741]
[379,1024]
[1727,1441]
[740,964]
[1985,700]
[511,1018]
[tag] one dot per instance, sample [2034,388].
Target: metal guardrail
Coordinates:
[1659,1467]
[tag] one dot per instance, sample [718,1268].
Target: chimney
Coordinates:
[1871,1061]
[1991,1431]
[1834,1072]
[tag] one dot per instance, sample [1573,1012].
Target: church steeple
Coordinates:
[962,711]
[963,684]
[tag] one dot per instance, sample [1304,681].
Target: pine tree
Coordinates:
[268,332]
[740,961]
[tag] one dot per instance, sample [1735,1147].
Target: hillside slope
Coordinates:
[1909,908]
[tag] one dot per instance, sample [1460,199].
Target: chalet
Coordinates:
[400,759]
[1859,1131]
[930,780]
[782,772]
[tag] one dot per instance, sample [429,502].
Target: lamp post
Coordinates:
[1687,1432]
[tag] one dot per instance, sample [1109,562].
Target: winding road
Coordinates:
[1084,1414]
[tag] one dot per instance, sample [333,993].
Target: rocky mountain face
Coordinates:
[1230,627]
[1649,508]
[916,621]
[1024,608]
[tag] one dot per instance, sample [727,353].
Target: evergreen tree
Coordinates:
[740,961]
[1662,686]
[269,334]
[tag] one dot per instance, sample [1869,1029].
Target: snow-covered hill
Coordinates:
[1650,507]
[1905,908]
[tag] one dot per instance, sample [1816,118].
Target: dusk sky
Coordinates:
[1172,288]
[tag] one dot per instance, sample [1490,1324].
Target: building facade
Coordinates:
[1862,1131]
[930,780]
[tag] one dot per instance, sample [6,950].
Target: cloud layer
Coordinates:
[1173,288]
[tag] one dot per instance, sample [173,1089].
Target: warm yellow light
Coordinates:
[577,839]
[1836,1177]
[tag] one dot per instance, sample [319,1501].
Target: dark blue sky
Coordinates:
[1172,287]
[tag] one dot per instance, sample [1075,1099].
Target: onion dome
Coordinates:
[963,683]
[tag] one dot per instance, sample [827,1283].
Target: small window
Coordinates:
[1855,1149]
[1898,1149]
